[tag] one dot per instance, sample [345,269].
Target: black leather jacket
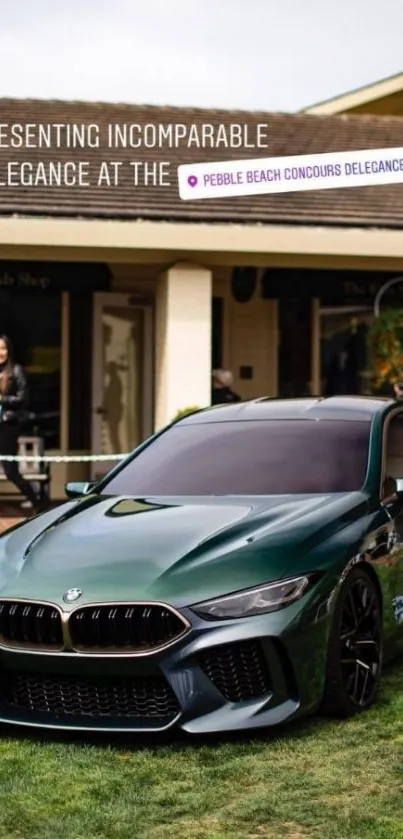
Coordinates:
[13,402]
[224,395]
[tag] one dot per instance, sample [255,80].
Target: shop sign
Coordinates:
[54,276]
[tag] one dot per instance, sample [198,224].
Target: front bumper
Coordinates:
[222,676]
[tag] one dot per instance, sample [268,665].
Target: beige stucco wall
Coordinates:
[250,338]
[253,344]
[182,341]
[205,244]
[250,329]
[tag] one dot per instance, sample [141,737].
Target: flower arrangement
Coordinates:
[385,344]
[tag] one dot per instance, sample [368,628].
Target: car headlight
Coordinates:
[255,601]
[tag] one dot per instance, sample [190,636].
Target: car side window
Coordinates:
[394,449]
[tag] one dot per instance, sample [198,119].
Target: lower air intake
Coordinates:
[239,671]
[140,700]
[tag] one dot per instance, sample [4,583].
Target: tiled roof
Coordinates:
[289,134]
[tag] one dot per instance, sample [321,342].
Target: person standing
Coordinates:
[222,392]
[342,375]
[13,402]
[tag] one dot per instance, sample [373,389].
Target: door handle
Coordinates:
[101,410]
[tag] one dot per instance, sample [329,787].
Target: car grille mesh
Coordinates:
[124,627]
[107,628]
[140,699]
[239,671]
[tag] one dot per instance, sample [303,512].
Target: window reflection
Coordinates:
[32,319]
[345,363]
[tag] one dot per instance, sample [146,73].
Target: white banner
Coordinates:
[296,173]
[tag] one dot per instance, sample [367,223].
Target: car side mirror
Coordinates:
[75,489]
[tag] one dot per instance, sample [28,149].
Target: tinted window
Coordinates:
[249,458]
[394,448]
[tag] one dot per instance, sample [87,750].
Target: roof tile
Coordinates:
[289,134]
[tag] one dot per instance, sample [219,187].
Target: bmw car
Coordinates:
[241,568]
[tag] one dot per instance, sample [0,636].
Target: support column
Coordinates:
[183,341]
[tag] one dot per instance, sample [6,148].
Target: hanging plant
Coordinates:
[385,344]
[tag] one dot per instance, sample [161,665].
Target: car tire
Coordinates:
[355,648]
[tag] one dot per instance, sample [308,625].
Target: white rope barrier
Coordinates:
[84,458]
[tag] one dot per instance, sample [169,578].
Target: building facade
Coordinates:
[121,301]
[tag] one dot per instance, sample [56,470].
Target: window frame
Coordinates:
[112,476]
[396,412]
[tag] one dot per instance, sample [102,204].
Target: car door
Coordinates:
[392,478]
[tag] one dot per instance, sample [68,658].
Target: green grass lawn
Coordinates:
[317,779]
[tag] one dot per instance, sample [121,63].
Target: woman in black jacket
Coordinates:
[13,401]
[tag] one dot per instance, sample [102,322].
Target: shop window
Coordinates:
[32,320]
[394,449]
[344,358]
[295,354]
[217,333]
[80,371]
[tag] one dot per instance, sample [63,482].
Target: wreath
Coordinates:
[385,344]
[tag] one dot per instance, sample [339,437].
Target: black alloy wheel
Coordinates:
[355,648]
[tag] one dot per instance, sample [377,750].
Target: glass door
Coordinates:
[122,377]
[345,366]
[295,325]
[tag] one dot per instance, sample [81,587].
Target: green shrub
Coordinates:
[184,412]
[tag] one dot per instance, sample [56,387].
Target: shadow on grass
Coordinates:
[298,729]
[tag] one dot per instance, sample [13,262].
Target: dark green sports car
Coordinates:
[240,569]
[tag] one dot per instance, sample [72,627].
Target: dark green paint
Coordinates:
[185,550]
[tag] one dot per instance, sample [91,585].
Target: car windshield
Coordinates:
[264,457]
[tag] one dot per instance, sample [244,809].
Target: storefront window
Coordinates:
[32,319]
[80,366]
[345,364]
[295,361]
[217,332]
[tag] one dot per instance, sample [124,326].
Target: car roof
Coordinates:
[344,408]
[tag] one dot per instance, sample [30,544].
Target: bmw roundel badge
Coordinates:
[72,595]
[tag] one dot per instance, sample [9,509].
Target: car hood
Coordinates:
[176,550]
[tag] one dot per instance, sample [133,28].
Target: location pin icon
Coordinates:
[192,180]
